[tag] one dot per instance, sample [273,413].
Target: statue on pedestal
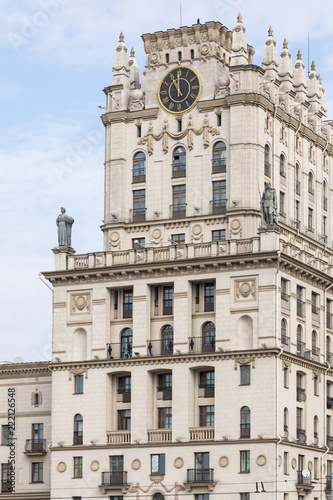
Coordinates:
[268,205]
[64,223]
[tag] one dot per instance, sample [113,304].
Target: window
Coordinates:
[167,300]
[6,484]
[300,386]
[127,303]
[315,427]
[219,157]
[245,419]
[179,56]
[124,420]
[78,384]
[139,205]
[117,468]
[179,124]
[126,343]
[36,399]
[310,219]
[328,349]
[218,235]
[285,420]
[179,162]
[282,166]
[208,337]
[300,303]
[218,119]
[163,300]
[245,461]
[138,243]
[167,58]
[202,472]
[165,418]
[165,385]
[192,54]
[315,468]
[267,163]
[297,181]
[324,230]
[297,221]
[206,416]
[80,498]
[204,297]
[158,496]
[324,196]
[245,375]
[209,289]
[329,467]
[5,435]
[284,338]
[178,239]
[78,429]
[207,382]
[285,462]
[158,464]
[204,496]
[299,425]
[37,434]
[167,340]
[310,184]
[122,303]
[316,385]
[179,201]
[219,197]
[138,130]
[286,377]
[282,207]
[124,388]
[77,466]
[139,165]
[244,496]
[37,472]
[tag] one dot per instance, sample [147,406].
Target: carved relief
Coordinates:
[80,303]
[236,227]
[36,398]
[114,240]
[261,460]
[94,466]
[224,462]
[179,462]
[61,467]
[136,464]
[196,232]
[156,234]
[244,360]
[245,290]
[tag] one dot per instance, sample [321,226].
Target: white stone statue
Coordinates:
[64,223]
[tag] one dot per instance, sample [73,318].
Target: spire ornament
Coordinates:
[121,37]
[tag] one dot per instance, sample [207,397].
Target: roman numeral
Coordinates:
[195,87]
[193,79]
[179,107]
[163,92]
[187,103]
[165,100]
[171,105]
[193,96]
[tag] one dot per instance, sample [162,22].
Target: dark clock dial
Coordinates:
[179,90]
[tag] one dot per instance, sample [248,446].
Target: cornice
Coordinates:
[17,369]
[129,116]
[304,271]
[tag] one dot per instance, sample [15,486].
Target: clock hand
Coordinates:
[176,85]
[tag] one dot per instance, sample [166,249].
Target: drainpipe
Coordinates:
[321,469]
[277,370]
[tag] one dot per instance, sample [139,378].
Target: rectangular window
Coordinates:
[244,496]
[164,418]
[218,235]
[329,467]
[127,303]
[209,294]
[285,462]
[167,300]
[299,418]
[315,468]
[165,385]
[328,425]
[158,463]
[179,201]
[78,384]
[37,472]
[138,243]
[245,461]
[300,462]
[245,375]
[300,303]
[207,382]
[124,420]
[206,416]
[116,465]
[178,239]
[202,471]
[310,218]
[117,497]
[316,385]
[282,210]
[285,377]
[139,205]
[5,478]
[5,435]
[124,388]
[76,498]
[284,289]
[219,197]
[77,466]
[37,435]
[218,119]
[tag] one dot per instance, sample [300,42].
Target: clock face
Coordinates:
[179,90]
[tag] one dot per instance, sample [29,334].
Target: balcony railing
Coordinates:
[285,301]
[301,435]
[159,436]
[139,175]
[114,478]
[300,394]
[207,391]
[161,347]
[118,437]
[35,446]
[119,350]
[329,320]
[138,214]
[202,434]
[218,206]
[219,165]
[178,211]
[285,341]
[202,344]
[245,431]
[300,308]
[6,486]
[179,170]
[166,393]
[200,475]
[125,396]
[329,402]
[315,313]
[303,480]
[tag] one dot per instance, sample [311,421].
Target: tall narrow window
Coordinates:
[179,162]
[219,157]
[139,205]
[245,425]
[267,163]
[297,220]
[285,462]
[285,420]
[282,166]
[310,220]
[165,418]
[192,54]
[37,435]
[282,207]
[179,201]
[126,343]
[206,416]
[127,303]
[245,461]
[310,184]
[77,466]
[37,472]
[245,375]
[324,196]
[78,384]
[297,180]
[202,471]
[139,165]
[208,337]
[167,300]
[124,420]
[78,429]
[219,197]
[167,340]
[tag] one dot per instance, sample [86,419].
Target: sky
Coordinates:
[56,57]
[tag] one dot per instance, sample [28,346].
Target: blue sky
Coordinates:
[56,56]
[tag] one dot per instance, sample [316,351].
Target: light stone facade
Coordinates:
[192,356]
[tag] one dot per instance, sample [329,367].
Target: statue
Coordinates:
[268,204]
[64,223]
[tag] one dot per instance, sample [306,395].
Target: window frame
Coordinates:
[78,384]
[245,461]
[77,467]
[157,469]
[37,469]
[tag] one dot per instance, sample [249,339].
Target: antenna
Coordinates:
[308,52]
[180,15]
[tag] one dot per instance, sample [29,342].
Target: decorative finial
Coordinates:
[239,17]
[299,54]
[285,44]
[320,79]
[270,31]
[313,66]
[121,37]
[132,52]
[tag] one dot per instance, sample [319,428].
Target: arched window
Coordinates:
[167,340]
[314,347]
[78,429]
[167,58]
[158,496]
[208,337]
[126,343]
[192,54]
[297,179]
[219,157]
[310,184]
[282,166]
[299,339]
[315,427]
[245,425]
[36,399]
[179,162]
[267,161]
[139,167]
[284,338]
[324,196]
[328,349]
[179,56]
[285,420]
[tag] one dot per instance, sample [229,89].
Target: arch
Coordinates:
[80,345]
[78,429]
[219,157]
[208,337]
[245,332]
[158,496]
[267,162]
[179,162]
[245,422]
[126,341]
[139,167]
[311,183]
[282,165]
[167,340]
[192,54]
[284,327]
[167,58]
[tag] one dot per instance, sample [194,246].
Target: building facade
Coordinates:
[192,357]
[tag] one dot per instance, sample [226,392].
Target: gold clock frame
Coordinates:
[197,98]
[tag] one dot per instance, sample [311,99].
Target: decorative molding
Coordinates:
[179,462]
[95,465]
[261,460]
[136,464]
[61,467]
[224,462]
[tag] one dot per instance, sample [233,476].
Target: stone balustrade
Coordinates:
[159,435]
[118,437]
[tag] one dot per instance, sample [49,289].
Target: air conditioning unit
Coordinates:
[307,355]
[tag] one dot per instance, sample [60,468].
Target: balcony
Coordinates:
[35,446]
[301,436]
[300,308]
[201,344]
[118,437]
[162,347]
[200,478]
[303,483]
[178,170]
[138,215]
[139,175]
[6,486]
[159,436]
[245,431]
[329,320]
[315,354]
[178,211]
[219,165]
[315,313]
[329,403]
[119,350]
[218,206]
[202,434]
[300,394]
[114,481]
[301,348]
[285,341]
[285,301]
[206,391]
[124,396]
